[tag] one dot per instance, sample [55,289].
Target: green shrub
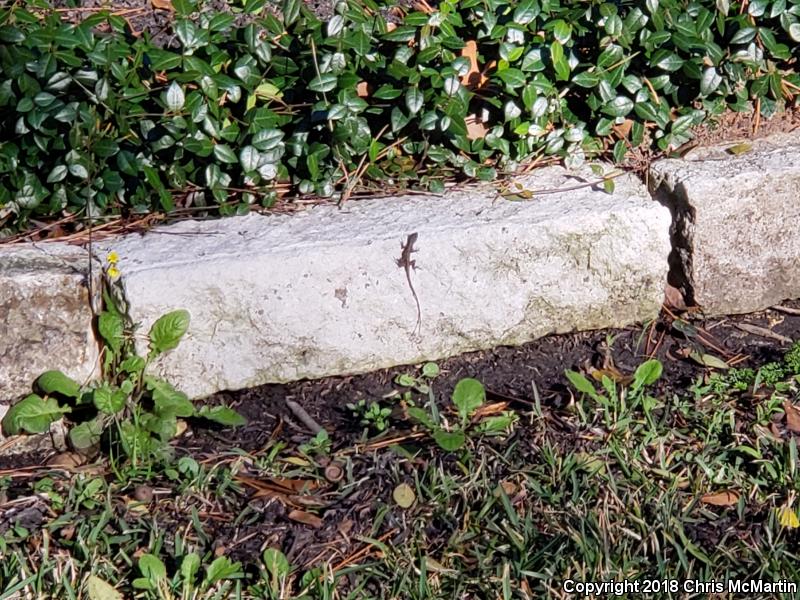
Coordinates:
[107,123]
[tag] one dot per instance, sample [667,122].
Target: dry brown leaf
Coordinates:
[283,489]
[612,373]
[723,498]
[475,129]
[423,6]
[306,518]
[307,501]
[764,332]
[279,484]
[792,416]
[362,89]
[473,77]
[345,527]
[66,460]
[489,409]
[295,485]
[272,495]
[162,5]
[623,129]
[508,487]
[673,298]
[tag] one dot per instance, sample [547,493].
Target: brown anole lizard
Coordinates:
[407,263]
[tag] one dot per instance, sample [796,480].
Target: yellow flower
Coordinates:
[788,518]
[113,272]
[112,258]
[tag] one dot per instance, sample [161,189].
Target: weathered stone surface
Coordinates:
[736,229]
[45,315]
[39,444]
[279,298]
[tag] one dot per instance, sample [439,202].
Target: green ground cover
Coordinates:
[96,122]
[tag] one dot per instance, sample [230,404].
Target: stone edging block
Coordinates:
[281,298]
[736,223]
[45,315]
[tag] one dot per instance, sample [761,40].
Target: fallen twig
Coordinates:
[787,309]
[299,412]
[763,332]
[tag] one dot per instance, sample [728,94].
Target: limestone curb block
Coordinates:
[45,315]
[736,224]
[281,298]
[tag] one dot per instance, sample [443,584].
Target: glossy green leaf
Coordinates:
[526,12]
[167,331]
[249,158]
[414,100]
[55,382]
[562,31]
[32,414]
[710,81]
[222,415]
[619,106]
[513,78]
[323,83]
[450,441]
[668,61]
[109,400]
[220,569]
[468,396]
[223,153]
[580,383]
[112,329]
[168,401]
[647,373]
[174,97]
